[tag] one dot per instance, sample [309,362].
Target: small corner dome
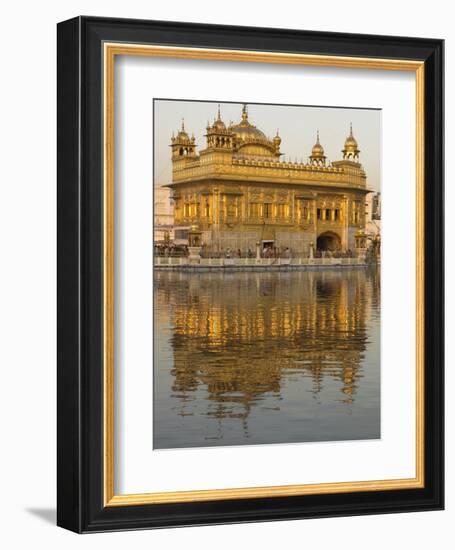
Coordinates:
[351,142]
[183,135]
[219,125]
[318,150]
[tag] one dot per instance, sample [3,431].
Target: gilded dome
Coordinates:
[351,142]
[218,124]
[246,131]
[182,135]
[318,149]
[351,148]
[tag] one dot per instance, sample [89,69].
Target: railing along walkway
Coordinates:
[251,262]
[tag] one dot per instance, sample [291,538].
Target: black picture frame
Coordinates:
[80,474]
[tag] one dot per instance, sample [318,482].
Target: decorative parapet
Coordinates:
[275,171]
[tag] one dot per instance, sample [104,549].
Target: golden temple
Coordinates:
[238,192]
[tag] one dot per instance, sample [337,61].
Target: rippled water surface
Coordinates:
[270,357]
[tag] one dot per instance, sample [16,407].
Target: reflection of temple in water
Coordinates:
[240,336]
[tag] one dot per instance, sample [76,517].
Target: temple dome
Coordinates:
[318,149]
[351,149]
[246,131]
[182,135]
[351,142]
[218,124]
[317,156]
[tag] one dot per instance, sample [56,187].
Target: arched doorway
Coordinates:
[328,241]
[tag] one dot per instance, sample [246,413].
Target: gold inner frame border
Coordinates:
[110,51]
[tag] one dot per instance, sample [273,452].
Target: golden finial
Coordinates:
[219,112]
[350,126]
[317,137]
[277,139]
[183,124]
[244,112]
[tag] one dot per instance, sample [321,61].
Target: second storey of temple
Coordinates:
[238,191]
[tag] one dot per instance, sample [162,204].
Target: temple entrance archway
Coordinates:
[267,244]
[328,241]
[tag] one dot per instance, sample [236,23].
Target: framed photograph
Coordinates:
[250,274]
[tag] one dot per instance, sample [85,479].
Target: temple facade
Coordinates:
[237,193]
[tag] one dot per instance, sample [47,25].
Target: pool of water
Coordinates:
[266,357]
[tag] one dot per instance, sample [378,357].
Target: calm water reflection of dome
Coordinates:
[232,348]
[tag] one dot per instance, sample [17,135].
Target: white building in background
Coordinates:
[373,214]
[163,215]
